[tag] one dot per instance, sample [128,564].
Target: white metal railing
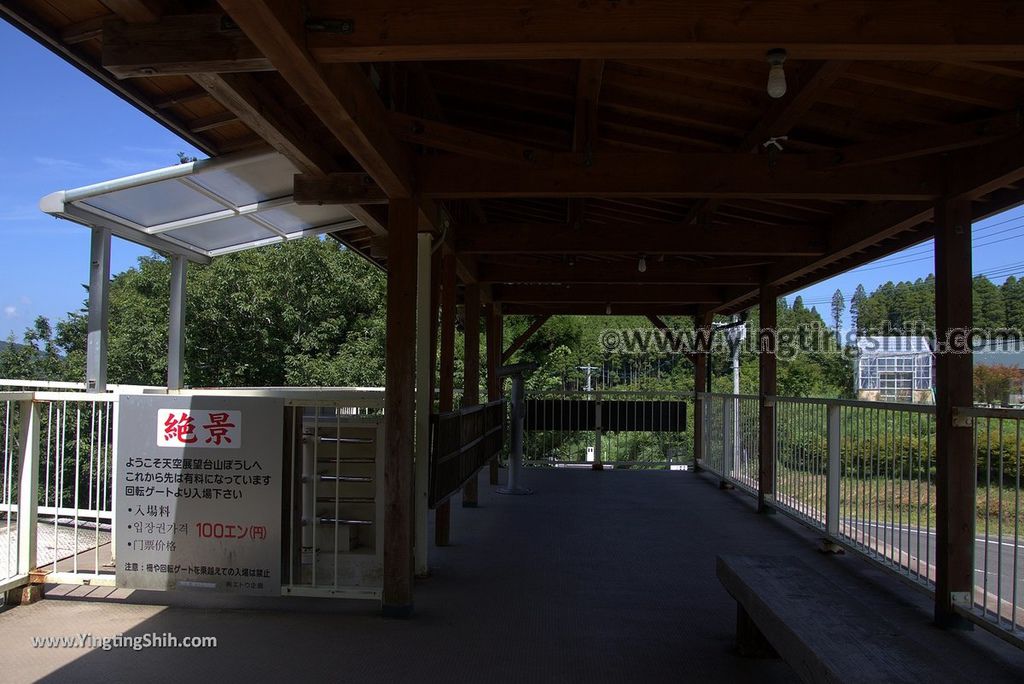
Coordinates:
[609,444]
[65,459]
[864,474]
[17,425]
[58,456]
[999,552]
[731,437]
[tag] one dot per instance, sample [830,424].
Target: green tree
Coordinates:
[989,309]
[838,306]
[1013,300]
[37,357]
[860,295]
[307,312]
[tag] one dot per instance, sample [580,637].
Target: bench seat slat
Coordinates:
[823,632]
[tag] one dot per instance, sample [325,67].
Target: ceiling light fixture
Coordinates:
[642,264]
[776,74]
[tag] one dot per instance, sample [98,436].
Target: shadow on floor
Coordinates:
[599,576]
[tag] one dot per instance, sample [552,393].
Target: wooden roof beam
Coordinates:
[618,272]
[932,140]
[696,175]
[612,308]
[972,173]
[394,30]
[442,136]
[341,96]
[584,132]
[596,293]
[182,45]
[640,239]
[781,116]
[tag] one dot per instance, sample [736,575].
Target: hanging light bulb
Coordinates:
[776,74]
[642,264]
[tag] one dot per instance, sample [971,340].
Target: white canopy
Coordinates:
[201,209]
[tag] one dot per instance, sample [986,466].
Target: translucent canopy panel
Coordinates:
[201,209]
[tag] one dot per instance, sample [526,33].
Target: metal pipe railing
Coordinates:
[863,474]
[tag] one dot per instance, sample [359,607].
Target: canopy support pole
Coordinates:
[176,325]
[99,311]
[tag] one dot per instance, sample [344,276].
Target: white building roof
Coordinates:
[202,209]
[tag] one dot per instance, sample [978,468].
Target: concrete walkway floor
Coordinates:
[597,577]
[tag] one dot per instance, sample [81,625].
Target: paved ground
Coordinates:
[60,541]
[599,576]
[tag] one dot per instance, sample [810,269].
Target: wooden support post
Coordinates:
[446,381]
[954,441]
[700,379]
[471,374]
[424,371]
[767,361]
[399,395]
[494,383]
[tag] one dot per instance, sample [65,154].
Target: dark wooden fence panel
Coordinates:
[461,443]
[616,416]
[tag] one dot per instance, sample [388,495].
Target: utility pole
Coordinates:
[589,370]
[737,333]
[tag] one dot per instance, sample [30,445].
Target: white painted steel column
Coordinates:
[28,496]
[176,325]
[99,308]
[424,368]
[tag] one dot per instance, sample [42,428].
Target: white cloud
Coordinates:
[10,311]
[21,213]
[54,162]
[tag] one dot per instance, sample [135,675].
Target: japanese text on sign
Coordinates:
[179,428]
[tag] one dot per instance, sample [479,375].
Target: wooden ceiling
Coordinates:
[554,144]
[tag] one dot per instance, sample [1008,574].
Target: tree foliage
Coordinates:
[302,313]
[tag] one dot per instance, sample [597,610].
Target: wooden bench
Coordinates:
[822,631]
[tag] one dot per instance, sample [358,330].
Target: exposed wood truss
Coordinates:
[556,146]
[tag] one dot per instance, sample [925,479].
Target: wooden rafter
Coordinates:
[584,132]
[389,30]
[612,308]
[342,96]
[814,79]
[640,239]
[695,175]
[595,293]
[617,272]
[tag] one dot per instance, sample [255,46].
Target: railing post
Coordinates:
[832,475]
[727,450]
[768,348]
[597,433]
[28,495]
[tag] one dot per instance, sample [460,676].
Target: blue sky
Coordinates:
[63,130]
